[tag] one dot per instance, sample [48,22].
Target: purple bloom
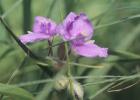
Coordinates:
[75,26]
[43,28]
[79,30]
[89,49]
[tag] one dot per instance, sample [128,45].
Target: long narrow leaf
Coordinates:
[25,48]
[26,15]
[15,92]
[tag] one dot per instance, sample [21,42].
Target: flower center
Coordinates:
[90,41]
[84,34]
[43,27]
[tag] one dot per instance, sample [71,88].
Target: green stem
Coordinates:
[69,71]
[26,15]
[67,62]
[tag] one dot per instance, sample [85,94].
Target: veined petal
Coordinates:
[90,50]
[82,27]
[32,37]
[39,24]
[44,25]
[70,18]
[76,26]
[62,32]
[83,16]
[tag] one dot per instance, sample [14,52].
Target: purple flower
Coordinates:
[75,26]
[43,28]
[89,49]
[79,30]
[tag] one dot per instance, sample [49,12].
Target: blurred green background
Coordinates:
[116,26]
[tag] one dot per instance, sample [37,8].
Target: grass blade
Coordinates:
[100,91]
[25,48]
[12,8]
[26,15]
[15,92]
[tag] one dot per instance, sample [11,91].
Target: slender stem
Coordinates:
[25,48]
[50,51]
[67,62]
[118,21]
[69,71]
[13,76]
[26,15]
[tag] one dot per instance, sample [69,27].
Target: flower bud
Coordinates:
[61,83]
[78,90]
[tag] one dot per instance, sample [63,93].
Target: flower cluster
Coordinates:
[77,29]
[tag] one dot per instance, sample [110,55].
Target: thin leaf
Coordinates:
[55,60]
[1,8]
[118,21]
[26,15]
[16,4]
[100,91]
[51,7]
[25,48]
[123,53]
[5,53]
[69,5]
[15,92]
[39,60]
[112,89]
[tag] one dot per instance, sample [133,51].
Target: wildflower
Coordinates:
[75,26]
[89,49]
[78,30]
[43,28]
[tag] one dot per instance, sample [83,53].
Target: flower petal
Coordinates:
[63,28]
[90,50]
[83,16]
[82,27]
[33,37]
[62,32]
[76,26]
[44,25]
[70,18]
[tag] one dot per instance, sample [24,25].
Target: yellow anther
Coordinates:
[84,34]
[29,32]
[90,41]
